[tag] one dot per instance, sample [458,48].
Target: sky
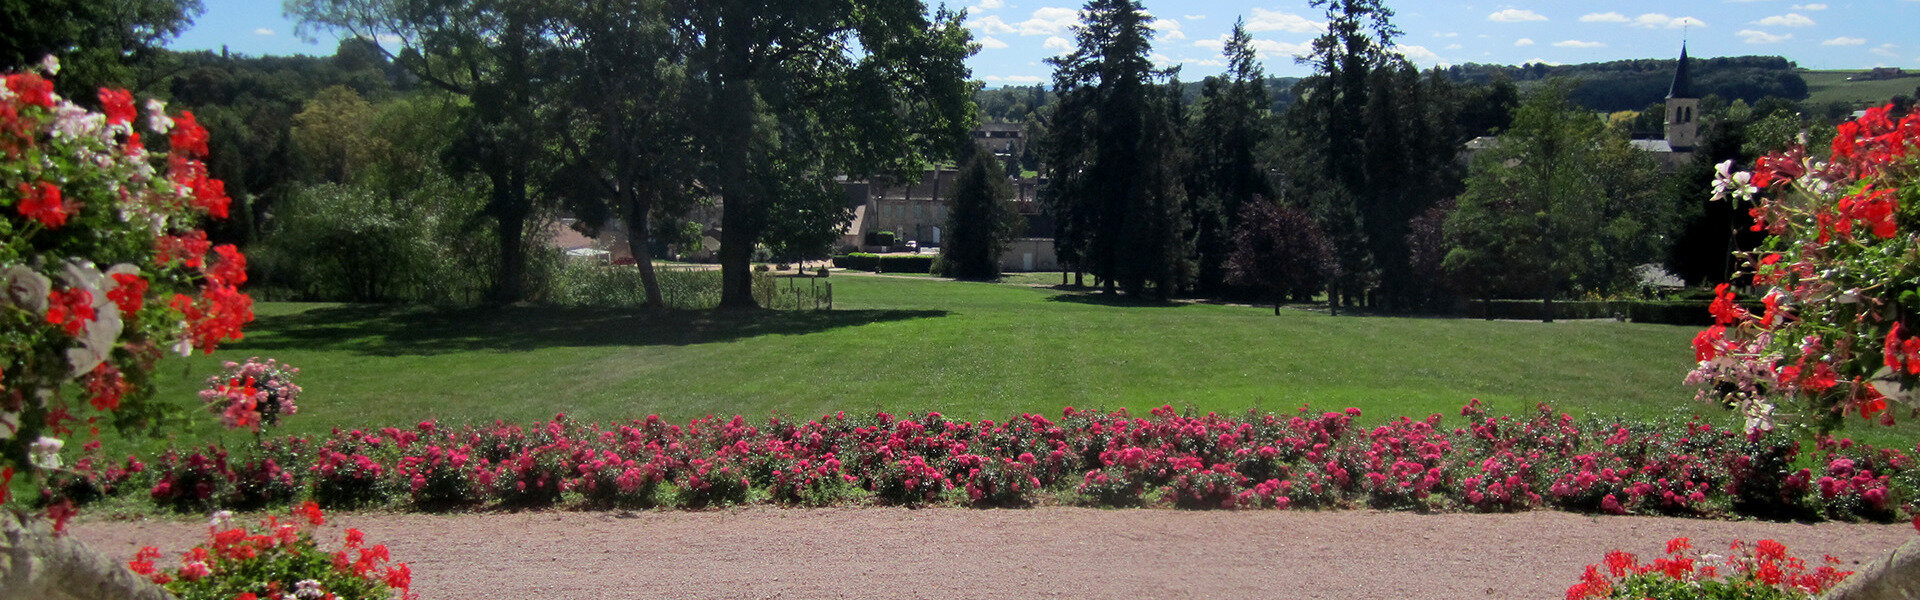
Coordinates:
[1016,35]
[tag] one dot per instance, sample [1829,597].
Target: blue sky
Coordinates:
[1016,35]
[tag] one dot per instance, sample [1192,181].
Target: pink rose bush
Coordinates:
[1478,462]
[247,396]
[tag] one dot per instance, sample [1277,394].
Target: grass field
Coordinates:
[1824,87]
[970,350]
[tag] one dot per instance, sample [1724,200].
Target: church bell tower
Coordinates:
[1683,128]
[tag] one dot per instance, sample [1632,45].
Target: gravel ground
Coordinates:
[1049,552]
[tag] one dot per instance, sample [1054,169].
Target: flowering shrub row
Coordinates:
[1260,460]
[1761,571]
[281,562]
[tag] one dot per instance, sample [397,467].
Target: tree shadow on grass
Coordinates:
[1118,300]
[397,330]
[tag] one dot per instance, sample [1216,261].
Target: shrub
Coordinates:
[193,481]
[908,481]
[611,480]
[717,482]
[998,481]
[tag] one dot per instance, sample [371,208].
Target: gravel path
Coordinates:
[1049,552]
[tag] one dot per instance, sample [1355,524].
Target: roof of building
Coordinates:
[1652,145]
[1682,78]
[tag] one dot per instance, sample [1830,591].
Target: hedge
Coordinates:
[885,263]
[1665,312]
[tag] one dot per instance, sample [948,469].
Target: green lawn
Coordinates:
[1832,86]
[970,350]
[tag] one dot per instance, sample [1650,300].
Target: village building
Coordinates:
[1682,132]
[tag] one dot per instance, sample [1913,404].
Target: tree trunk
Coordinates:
[510,212]
[733,107]
[34,563]
[639,227]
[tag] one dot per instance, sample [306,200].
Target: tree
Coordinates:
[1561,204]
[1228,171]
[1112,153]
[334,133]
[864,86]
[981,222]
[95,41]
[1279,252]
[492,52]
[629,153]
[1382,137]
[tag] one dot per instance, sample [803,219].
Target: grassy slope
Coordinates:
[1832,86]
[970,350]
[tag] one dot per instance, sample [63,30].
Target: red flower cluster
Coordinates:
[118,106]
[216,316]
[1762,570]
[70,310]
[42,202]
[282,561]
[31,89]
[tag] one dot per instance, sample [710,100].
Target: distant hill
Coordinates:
[1605,86]
[1832,87]
[1635,84]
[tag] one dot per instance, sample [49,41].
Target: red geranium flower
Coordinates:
[31,88]
[42,202]
[118,104]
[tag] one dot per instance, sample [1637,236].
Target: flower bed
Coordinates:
[1258,460]
[1763,571]
[281,561]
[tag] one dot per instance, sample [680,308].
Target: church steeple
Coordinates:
[1682,80]
[1682,129]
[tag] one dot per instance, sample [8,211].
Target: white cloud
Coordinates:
[1453,47]
[1267,49]
[987,41]
[1515,15]
[989,24]
[1885,50]
[1013,78]
[1270,48]
[1522,42]
[1814,6]
[1419,54]
[263,31]
[1578,44]
[1273,20]
[1755,36]
[1540,61]
[1194,17]
[1168,29]
[1844,41]
[989,4]
[1057,43]
[1786,20]
[1450,34]
[1605,17]
[1657,20]
[1046,21]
